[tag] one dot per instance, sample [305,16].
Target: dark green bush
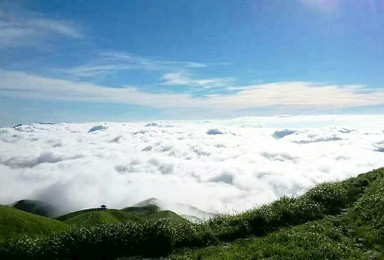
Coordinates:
[151,238]
[228,228]
[371,206]
[148,239]
[284,212]
[332,197]
[192,235]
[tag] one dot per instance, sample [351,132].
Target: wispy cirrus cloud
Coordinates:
[155,63]
[183,78]
[322,5]
[112,62]
[21,28]
[292,94]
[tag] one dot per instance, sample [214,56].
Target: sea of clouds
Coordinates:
[217,166]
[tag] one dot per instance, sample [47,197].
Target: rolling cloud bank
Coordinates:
[218,166]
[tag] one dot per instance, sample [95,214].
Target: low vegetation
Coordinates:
[93,217]
[15,223]
[342,220]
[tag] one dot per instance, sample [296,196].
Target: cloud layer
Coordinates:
[295,94]
[241,165]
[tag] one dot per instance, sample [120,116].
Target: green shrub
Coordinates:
[149,239]
[370,208]
[331,196]
[194,235]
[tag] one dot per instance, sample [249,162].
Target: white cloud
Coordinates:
[186,79]
[20,28]
[176,78]
[64,28]
[24,85]
[111,62]
[149,63]
[178,161]
[295,94]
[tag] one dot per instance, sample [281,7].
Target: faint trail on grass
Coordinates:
[90,215]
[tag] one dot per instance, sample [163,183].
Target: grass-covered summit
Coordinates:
[341,220]
[97,216]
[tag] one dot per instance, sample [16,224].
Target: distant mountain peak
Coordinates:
[190,212]
[150,201]
[37,207]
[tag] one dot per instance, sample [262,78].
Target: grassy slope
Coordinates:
[14,223]
[342,220]
[142,211]
[96,217]
[322,239]
[92,217]
[74,214]
[353,228]
[167,214]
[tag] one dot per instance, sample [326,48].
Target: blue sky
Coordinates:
[75,61]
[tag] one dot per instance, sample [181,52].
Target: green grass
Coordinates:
[167,214]
[315,240]
[95,217]
[342,220]
[142,211]
[150,238]
[350,225]
[75,213]
[16,223]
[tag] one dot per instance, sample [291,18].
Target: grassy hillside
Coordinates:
[94,217]
[167,214]
[342,220]
[350,225]
[36,207]
[70,215]
[15,223]
[142,210]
